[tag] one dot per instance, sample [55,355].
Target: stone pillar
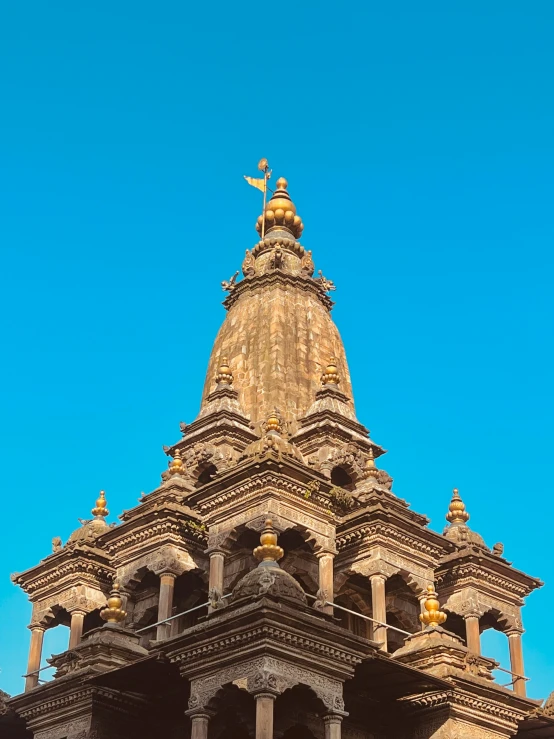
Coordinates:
[422,598]
[200,722]
[165,604]
[76,629]
[473,638]
[332,723]
[35,656]
[217,570]
[264,715]
[516,661]
[379,606]
[326,577]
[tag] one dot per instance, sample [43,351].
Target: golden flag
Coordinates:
[260,184]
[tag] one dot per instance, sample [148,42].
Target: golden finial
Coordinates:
[331,375]
[113,613]
[273,422]
[100,511]
[176,467]
[370,470]
[456,510]
[280,212]
[224,374]
[432,616]
[269,551]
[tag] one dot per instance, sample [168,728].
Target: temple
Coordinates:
[274,585]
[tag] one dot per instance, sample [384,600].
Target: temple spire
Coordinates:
[457,513]
[100,510]
[280,213]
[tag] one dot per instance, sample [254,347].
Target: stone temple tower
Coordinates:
[274,585]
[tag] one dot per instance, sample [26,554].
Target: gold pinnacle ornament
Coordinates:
[176,467]
[113,613]
[274,423]
[432,616]
[100,511]
[331,375]
[224,375]
[370,470]
[269,551]
[456,510]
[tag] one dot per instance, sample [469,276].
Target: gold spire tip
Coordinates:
[113,613]
[432,616]
[331,375]
[279,212]
[176,467]
[224,375]
[457,513]
[273,423]
[269,551]
[100,510]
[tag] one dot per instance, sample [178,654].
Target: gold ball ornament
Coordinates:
[269,551]
[432,616]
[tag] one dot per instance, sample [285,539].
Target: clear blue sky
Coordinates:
[419,147]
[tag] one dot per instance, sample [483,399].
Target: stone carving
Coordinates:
[168,559]
[276,258]
[548,707]
[325,284]
[56,544]
[307,265]
[498,549]
[215,598]
[350,458]
[255,674]
[249,264]
[229,285]
[320,601]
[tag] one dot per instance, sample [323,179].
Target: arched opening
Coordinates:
[341,478]
[403,611]
[235,714]
[207,474]
[190,590]
[92,621]
[355,594]
[299,714]
[142,604]
[494,644]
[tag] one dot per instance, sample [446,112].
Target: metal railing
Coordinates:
[382,624]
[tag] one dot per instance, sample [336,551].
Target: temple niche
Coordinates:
[274,584]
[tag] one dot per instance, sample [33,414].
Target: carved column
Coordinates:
[379,606]
[332,722]
[516,660]
[35,655]
[165,603]
[200,723]
[326,577]
[76,629]
[473,638]
[217,570]
[422,598]
[264,715]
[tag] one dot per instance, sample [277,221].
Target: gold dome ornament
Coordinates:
[100,511]
[224,375]
[273,423]
[280,213]
[269,551]
[432,616]
[176,467]
[113,613]
[370,469]
[457,513]
[331,375]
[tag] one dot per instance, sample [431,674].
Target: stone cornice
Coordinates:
[82,564]
[475,567]
[275,278]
